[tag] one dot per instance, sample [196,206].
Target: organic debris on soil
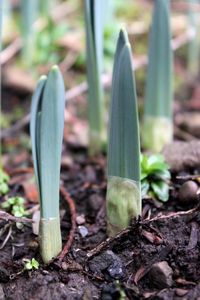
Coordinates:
[155,258]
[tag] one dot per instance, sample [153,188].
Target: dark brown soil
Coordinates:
[121,265]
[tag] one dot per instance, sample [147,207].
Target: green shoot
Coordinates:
[94,19]
[155,177]
[157,123]
[4,180]
[31,264]
[15,205]
[194,44]
[47,125]
[29,11]
[123,190]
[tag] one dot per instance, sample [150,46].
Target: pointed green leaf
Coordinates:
[158,100]
[161,190]
[94,20]
[124,144]
[35,108]
[50,144]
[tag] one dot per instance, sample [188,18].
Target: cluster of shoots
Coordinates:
[47,124]
[157,122]
[126,168]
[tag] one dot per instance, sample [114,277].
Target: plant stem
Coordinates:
[156,132]
[123,203]
[50,238]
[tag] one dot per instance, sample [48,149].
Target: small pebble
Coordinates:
[161,275]
[107,263]
[188,192]
[83,231]
[80,220]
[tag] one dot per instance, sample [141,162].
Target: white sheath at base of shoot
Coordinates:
[156,132]
[50,238]
[123,203]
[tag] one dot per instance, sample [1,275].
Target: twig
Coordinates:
[7,217]
[10,51]
[105,244]
[20,171]
[73,223]
[7,238]
[171,215]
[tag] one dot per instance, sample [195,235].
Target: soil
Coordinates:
[119,266]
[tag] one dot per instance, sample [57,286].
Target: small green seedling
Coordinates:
[31,264]
[4,179]
[155,177]
[15,205]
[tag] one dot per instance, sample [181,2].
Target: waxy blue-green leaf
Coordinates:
[158,99]
[194,44]
[29,13]
[124,143]
[47,125]
[94,20]
[123,189]
[50,145]
[35,111]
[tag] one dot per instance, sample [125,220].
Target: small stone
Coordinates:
[83,231]
[80,220]
[161,275]
[188,192]
[107,263]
